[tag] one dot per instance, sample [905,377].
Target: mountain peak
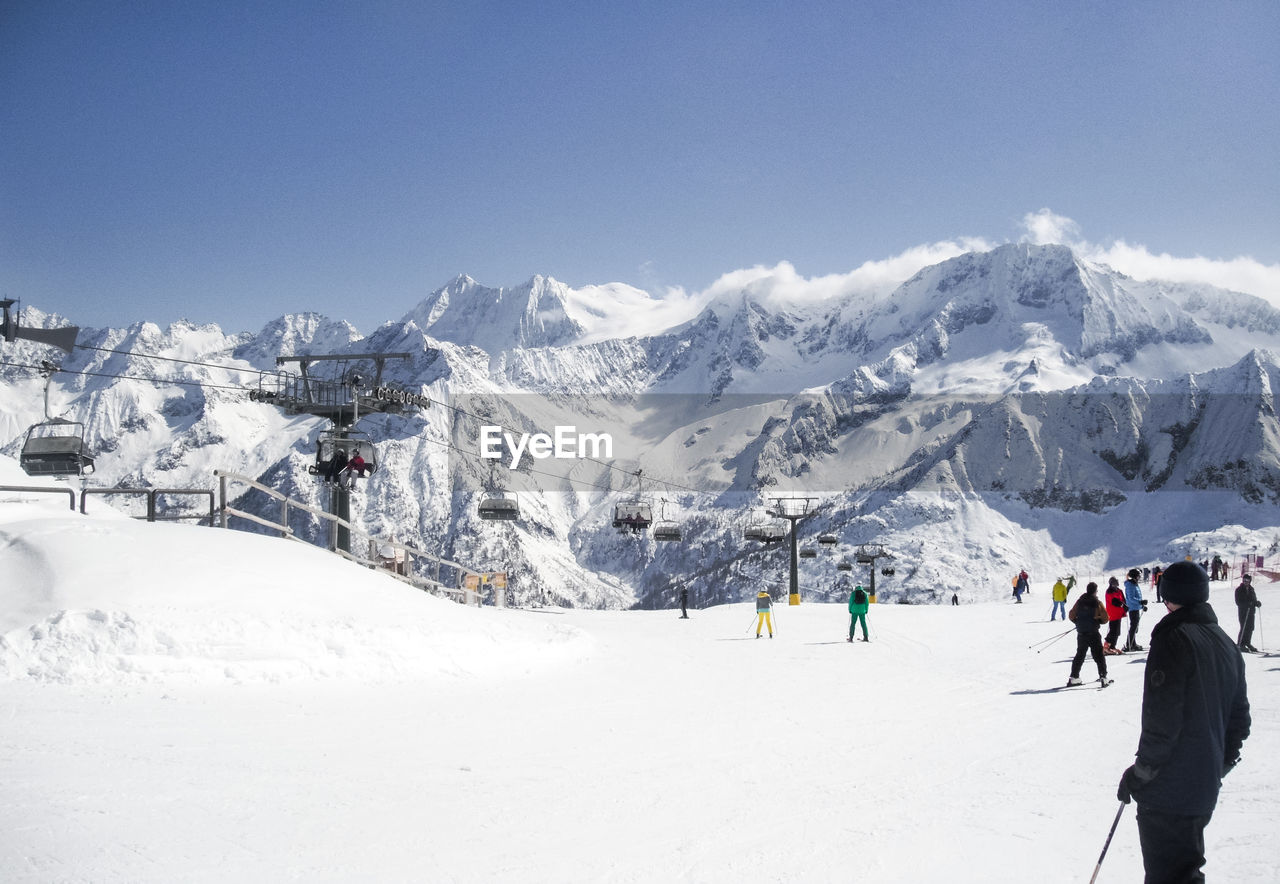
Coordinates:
[465,312]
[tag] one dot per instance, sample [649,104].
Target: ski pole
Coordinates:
[1110,835]
[1048,646]
[1051,639]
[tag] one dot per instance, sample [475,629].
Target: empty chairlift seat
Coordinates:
[808,552]
[827,541]
[499,509]
[667,531]
[55,448]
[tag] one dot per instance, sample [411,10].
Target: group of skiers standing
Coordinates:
[1127,601]
[1090,612]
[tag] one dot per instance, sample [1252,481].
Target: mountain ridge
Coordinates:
[1023,382]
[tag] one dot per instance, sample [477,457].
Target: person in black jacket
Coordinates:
[1195,718]
[1088,614]
[1246,603]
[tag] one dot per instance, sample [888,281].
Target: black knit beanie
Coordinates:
[1184,583]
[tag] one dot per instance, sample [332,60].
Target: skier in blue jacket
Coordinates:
[1136,604]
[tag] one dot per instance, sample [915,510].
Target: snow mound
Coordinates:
[115,601]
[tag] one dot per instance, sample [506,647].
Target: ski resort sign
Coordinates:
[564,443]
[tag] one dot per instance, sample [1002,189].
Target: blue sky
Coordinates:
[230,162]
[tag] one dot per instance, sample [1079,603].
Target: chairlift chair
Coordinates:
[844,566]
[500,508]
[633,516]
[828,541]
[350,444]
[808,552]
[666,529]
[765,533]
[55,448]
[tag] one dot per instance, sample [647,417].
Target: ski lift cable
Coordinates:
[262,373]
[128,377]
[204,384]
[610,466]
[138,353]
[471,454]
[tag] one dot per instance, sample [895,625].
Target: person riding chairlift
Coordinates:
[356,465]
[334,472]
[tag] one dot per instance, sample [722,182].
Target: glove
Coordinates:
[1134,778]
[1230,763]
[1257,604]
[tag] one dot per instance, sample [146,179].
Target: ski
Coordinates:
[1097,685]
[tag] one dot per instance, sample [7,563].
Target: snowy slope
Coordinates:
[192,704]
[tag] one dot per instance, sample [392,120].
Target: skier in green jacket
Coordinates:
[858,605]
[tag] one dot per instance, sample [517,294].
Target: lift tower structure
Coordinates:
[794,510]
[340,402]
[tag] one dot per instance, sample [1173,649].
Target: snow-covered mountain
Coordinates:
[1024,389]
[467,313]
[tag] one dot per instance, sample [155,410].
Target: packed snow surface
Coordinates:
[190,704]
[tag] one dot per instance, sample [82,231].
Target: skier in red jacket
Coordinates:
[1115,615]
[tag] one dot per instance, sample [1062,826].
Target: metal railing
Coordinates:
[42,489]
[153,513]
[152,494]
[412,555]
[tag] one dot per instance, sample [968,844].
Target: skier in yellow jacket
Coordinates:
[1061,590]
[764,605]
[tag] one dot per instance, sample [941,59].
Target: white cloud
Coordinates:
[783,286]
[618,310]
[1045,228]
[1240,274]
